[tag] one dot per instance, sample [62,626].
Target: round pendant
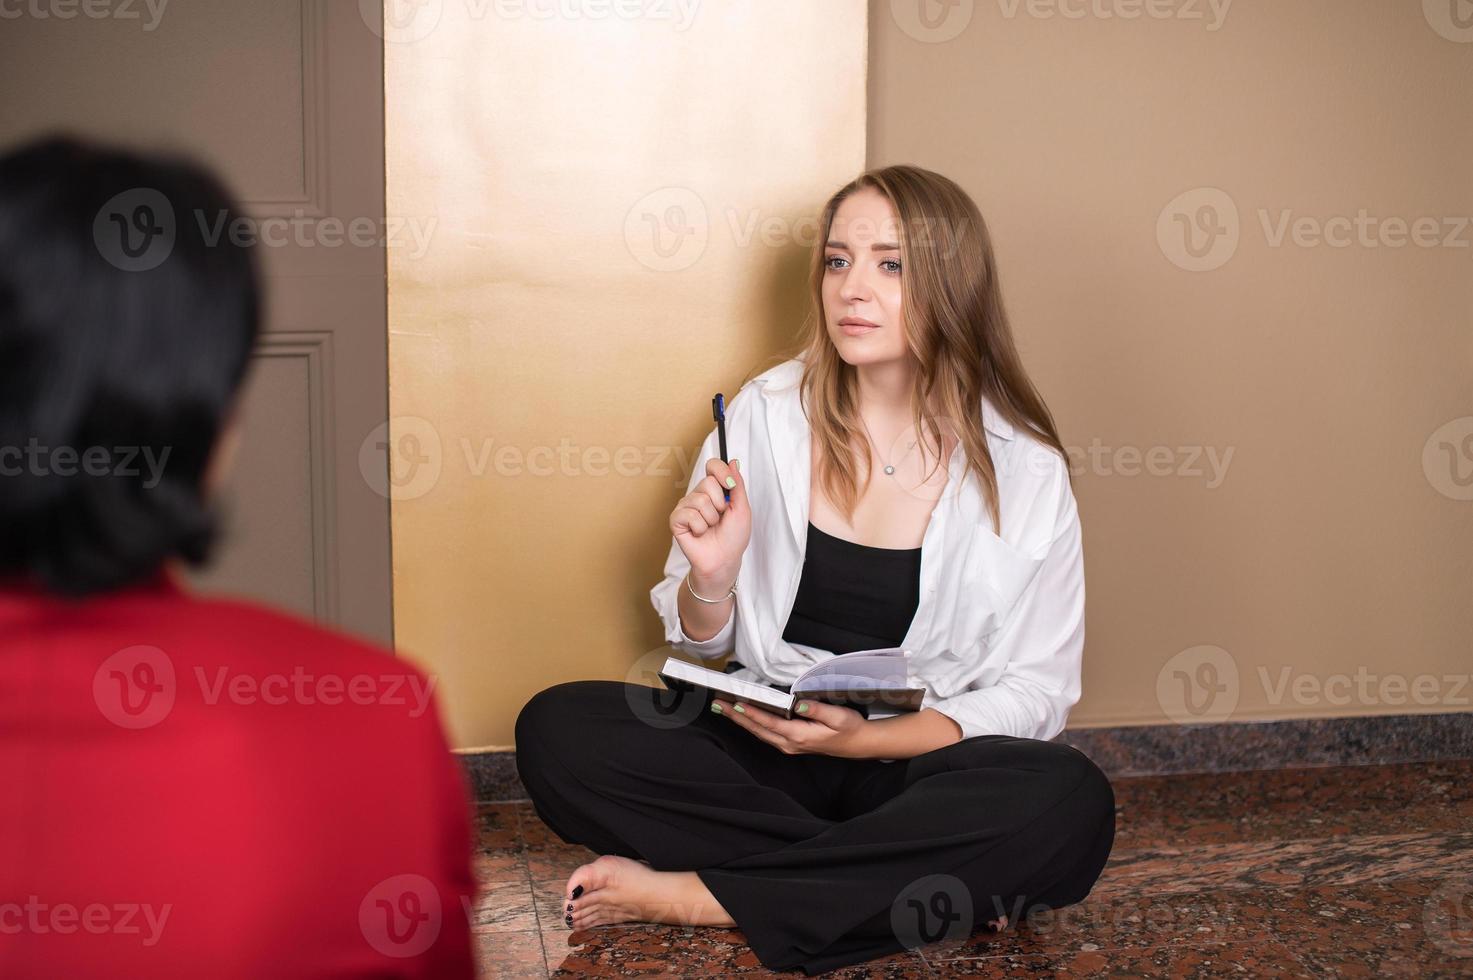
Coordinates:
[889,469]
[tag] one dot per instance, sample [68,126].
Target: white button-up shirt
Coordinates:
[998,635]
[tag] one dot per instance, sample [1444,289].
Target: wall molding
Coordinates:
[313,199]
[315,347]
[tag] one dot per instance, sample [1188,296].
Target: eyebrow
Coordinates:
[878,247]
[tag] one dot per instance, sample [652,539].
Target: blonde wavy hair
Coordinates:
[956,326]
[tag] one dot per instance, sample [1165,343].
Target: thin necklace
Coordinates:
[889,470]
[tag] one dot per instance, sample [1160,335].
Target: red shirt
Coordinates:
[204,787]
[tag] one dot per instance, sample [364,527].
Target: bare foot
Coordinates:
[998,924]
[619,889]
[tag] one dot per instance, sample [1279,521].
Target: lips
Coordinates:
[855,326]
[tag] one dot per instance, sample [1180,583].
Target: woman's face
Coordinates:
[861,281]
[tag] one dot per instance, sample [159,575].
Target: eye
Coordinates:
[895,263]
[829,262]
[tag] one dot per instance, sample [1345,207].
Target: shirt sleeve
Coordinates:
[665,596]
[1043,646]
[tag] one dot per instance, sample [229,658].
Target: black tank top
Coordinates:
[854,596]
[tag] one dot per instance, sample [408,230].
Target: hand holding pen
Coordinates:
[713,523]
[718,411]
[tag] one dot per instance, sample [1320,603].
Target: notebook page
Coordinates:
[888,668]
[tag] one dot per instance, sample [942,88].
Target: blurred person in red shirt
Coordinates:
[188,786]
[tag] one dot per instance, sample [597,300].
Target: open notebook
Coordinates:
[862,679]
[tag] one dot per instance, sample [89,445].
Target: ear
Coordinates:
[223,453]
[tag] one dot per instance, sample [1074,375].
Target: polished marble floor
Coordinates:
[1357,871]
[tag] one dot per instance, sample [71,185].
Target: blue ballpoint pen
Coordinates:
[718,409]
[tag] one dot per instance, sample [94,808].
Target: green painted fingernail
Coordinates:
[716,707]
[803,708]
[730,482]
[740,708]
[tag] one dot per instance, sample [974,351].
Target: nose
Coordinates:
[854,286]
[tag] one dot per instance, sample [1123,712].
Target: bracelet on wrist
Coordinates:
[692,590]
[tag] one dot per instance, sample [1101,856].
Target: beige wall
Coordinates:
[1328,372]
[616,203]
[530,309]
[1271,435]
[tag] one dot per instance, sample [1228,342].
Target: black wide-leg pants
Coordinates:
[822,862]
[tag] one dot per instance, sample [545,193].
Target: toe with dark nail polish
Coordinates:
[577,891]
